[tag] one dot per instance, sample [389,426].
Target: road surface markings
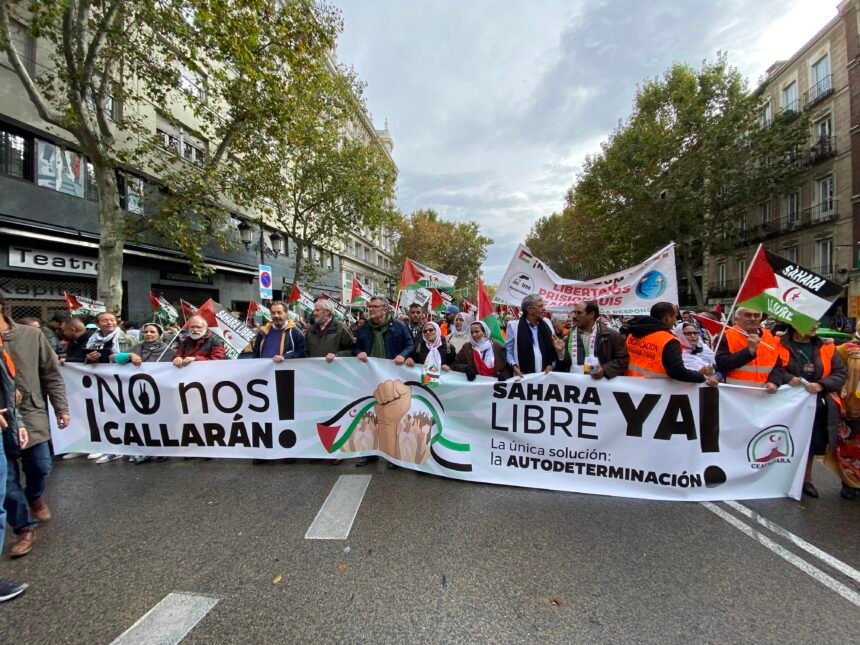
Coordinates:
[845,569]
[335,518]
[834,585]
[169,621]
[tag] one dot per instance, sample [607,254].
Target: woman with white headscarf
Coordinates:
[460,335]
[694,352]
[432,351]
[482,355]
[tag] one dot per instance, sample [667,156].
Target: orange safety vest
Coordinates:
[7,359]
[825,352]
[646,354]
[754,373]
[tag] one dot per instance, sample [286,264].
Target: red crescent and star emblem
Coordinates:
[791,294]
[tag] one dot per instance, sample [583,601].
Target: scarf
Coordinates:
[573,347]
[97,341]
[484,348]
[377,348]
[525,346]
[679,334]
[459,338]
[433,362]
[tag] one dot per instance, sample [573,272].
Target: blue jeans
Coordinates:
[36,463]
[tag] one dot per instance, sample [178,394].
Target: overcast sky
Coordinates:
[494,105]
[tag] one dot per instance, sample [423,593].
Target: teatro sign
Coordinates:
[41,260]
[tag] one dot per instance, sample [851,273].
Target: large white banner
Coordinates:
[630,437]
[630,292]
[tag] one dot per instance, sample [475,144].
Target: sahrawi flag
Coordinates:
[360,295]
[418,276]
[80,306]
[164,311]
[786,291]
[304,299]
[437,302]
[487,315]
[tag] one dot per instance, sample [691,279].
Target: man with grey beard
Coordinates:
[199,345]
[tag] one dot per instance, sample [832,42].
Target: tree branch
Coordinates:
[45,112]
[97,43]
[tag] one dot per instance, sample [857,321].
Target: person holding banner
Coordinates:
[532,352]
[483,356]
[382,336]
[844,457]
[328,337]
[655,352]
[695,352]
[432,351]
[108,339]
[199,345]
[591,347]
[747,352]
[279,339]
[804,359]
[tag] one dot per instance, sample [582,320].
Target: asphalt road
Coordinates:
[426,560]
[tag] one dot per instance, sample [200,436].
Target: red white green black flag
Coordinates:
[418,276]
[786,291]
[360,295]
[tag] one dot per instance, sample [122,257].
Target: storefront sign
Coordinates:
[53,261]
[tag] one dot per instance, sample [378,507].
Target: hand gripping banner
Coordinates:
[646,438]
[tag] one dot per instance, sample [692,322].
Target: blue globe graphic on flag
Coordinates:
[652,285]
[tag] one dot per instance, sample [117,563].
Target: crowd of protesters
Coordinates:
[749,351]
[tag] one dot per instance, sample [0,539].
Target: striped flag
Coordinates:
[786,291]
[360,295]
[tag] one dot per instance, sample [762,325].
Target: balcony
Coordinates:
[823,149]
[724,289]
[825,271]
[789,223]
[826,211]
[818,92]
[790,111]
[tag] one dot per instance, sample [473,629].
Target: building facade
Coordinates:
[814,223]
[49,225]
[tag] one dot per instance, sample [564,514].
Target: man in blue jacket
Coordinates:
[279,340]
[383,336]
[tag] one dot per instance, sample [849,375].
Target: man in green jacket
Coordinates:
[328,337]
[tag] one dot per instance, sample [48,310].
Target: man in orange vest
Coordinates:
[655,352]
[747,353]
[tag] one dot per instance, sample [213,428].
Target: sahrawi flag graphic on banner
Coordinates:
[360,295]
[629,292]
[164,311]
[786,291]
[418,276]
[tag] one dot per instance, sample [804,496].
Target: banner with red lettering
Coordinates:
[630,292]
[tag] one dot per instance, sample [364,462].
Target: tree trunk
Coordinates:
[691,278]
[111,237]
[297,267]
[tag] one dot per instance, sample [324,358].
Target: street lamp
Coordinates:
[246,234]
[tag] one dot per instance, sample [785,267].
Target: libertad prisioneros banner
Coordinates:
[629,292]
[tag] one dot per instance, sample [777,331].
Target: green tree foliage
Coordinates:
[686,166]
[323,176]
[233,69]
[453,248]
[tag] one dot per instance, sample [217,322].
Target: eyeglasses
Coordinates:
[691,333]
[430,331]
[374,306]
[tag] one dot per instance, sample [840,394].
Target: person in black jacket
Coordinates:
[74,331]
[431,339]
[658,326]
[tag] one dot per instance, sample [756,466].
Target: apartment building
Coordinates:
[813,223]
[49,228]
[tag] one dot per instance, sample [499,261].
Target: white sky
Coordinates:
[493,105]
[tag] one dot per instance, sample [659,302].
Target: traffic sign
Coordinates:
[265,282]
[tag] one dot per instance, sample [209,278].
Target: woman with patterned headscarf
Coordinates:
[459,336]
[482,356]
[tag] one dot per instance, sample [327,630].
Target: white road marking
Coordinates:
[335,518]
[834,585]
[169,621]
[841,567]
